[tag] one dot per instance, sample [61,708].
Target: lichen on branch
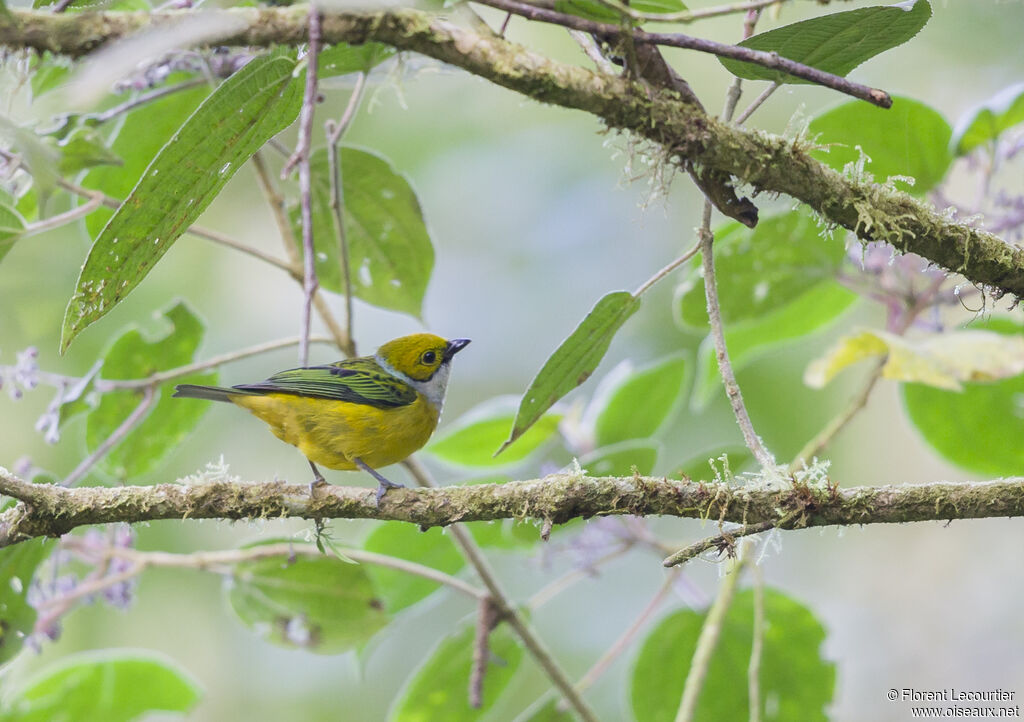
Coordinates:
[45,510]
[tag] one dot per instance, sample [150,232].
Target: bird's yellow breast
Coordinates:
[332,433]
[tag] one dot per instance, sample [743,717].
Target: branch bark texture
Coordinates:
[766,162]
[45,510]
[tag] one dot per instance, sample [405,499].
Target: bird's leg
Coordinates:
[383,483]
[318,479]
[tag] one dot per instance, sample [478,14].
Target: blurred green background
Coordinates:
[534,218]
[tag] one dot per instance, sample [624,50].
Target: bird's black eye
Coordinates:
[428,357]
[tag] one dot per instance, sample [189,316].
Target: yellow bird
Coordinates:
[360,413]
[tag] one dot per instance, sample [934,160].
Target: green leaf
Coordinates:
[481,430]
[962,426]
[988,121]
[431,548]
[109,685]
[132,356]
[621,459]
[813,311]
[143,132]
[248,109]
[48,72]
[390,252]
[83,148]
[760,270]
[639,404]
[908,139]
[18,565]
[11,227]
[342,58]
[835,43]
[796,683]
[321,604]
[438,691]
[574,360]
[602,13]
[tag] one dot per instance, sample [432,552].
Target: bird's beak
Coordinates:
[454,346]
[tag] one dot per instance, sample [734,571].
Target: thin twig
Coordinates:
[64,218]
[132,104]
[770,60]
[486,618]
[757,102]
[732,389]
[300,157]
[137,414]
[667,270]
[175,373]
[534,645]
[706,643]
[335,131]
[727,539]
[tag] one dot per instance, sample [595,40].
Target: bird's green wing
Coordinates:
[359,381]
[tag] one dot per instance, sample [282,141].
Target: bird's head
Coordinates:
[420,356]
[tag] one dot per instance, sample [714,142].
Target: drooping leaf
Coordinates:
[249,108]
[18,565]
[438,690]
[322,604]
[835,43]
[813,311]
[143,132]
[342,58]
[978,428]
[988,121]
[622,459]
[908,139]
[432,548]
[574,360]
[390,252]
[132,356]
[761,270]
[795,682]
[944,360]
[481,430]
[640,403]
[11,226]
[112,685]
[83,148]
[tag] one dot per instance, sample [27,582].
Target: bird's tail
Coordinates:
[210,393]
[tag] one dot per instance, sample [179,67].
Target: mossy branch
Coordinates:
[45,510]
[766,162]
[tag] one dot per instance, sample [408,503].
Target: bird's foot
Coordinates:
[382,488]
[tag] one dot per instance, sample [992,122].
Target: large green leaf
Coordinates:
[622,459]
[988,121]
[481,430]
[747,341]
[321,604]
[979,428]
[574,360]
[438,691]
[110,685]
[390,252]
[11,226]
[909,139]
[143,132]
[796,683]
[640,402]
[760,270]
[432,548]
[132,356]
[17,617]
[248,109]
[835,43]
